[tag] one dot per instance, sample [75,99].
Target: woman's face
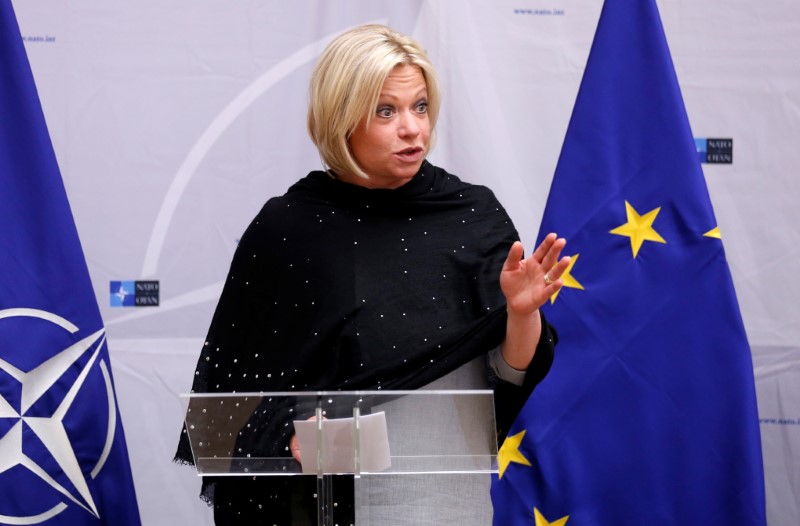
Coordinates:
[391,149]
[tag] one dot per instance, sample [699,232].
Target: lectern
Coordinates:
[402,447]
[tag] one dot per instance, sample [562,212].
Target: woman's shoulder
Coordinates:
[281,213]
[295,196]
[449,183]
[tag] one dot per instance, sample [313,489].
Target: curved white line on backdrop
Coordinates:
[210,136]
[768,371]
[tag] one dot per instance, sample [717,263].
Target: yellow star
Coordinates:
[509,452]
[639,228]
[541,521]
[714,232]
[568,280]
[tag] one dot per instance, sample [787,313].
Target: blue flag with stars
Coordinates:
[63,459]
[648,415]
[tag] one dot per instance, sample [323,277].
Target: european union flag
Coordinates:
[648,415]
[63,458]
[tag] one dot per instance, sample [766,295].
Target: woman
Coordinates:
[381,272]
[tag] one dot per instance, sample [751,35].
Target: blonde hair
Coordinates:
[346,84]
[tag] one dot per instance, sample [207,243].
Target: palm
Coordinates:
[523,280]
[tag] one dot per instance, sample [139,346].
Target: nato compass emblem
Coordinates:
[56,427]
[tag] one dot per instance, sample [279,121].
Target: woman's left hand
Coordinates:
[528,283]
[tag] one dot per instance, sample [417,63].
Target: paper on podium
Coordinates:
[338,444]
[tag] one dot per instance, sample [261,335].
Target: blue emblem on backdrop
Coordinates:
[122,293]
[63,459]
[134,293]
[714,151]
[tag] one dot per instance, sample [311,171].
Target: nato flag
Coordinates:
[63,459]
[648,415]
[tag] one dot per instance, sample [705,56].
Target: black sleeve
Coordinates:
[509,398]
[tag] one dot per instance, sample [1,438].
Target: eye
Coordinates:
[422,106]
[384,112]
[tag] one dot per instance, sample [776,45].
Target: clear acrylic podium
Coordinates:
[437,441]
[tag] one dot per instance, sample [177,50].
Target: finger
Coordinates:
[294,442]
[558,270]
[554,251]
[514,256]
[544,247]
[294,448]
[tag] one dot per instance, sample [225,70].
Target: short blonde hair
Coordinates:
[346,84]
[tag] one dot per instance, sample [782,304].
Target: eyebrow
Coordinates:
[420,94]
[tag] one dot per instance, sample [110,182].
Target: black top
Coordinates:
[339,287]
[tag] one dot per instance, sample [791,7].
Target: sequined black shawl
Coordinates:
[339,287]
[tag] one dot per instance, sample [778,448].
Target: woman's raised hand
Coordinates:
[528,283]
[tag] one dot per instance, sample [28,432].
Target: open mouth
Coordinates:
[410,152]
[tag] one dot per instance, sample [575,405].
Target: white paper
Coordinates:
[338,444]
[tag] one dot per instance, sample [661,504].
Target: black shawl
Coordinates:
[338,287]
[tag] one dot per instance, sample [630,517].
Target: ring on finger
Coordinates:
[547,280]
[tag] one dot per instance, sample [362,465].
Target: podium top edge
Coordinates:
[418,392]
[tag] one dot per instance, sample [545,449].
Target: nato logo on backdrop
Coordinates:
[714,151]
[134,293]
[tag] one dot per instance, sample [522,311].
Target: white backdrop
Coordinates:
[174,121]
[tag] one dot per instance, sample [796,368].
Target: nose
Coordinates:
[409,125]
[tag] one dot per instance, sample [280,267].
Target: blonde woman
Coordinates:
[378,271]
